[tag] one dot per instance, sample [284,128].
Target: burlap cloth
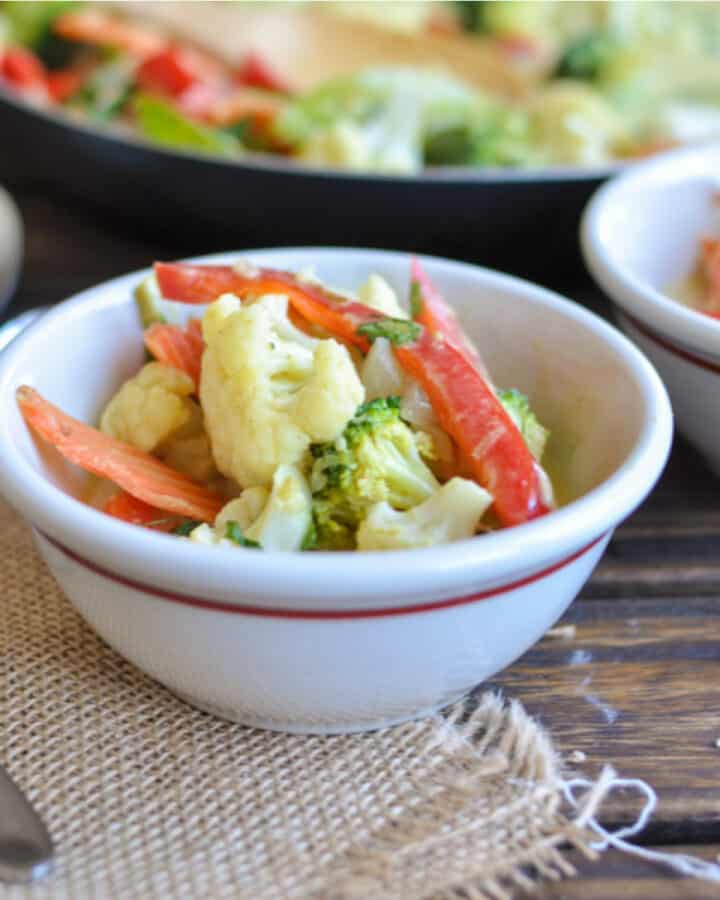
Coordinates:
[148,798]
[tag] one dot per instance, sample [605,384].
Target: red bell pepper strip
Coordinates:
[430,309]
[181,348]
[466,405]
[136,472]
[24,71]
[63,83]
[470,412]
[175,69]
[168,72]
[129,509]
[190,283]
[256,71]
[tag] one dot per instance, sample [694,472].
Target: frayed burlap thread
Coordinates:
[148,798]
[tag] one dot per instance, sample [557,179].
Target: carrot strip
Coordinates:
[138,473]
[245,103]
[194,327]
[710,269]
[129,509]
[177,347]
[93,26]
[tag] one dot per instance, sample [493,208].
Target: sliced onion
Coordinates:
[380,373]
[415,406]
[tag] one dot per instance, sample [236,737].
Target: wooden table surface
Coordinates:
[635,684]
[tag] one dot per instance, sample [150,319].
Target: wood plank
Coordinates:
[637,687]
[616,875]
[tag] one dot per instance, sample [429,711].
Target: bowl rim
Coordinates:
[266,162]
[639,299]
[394,579]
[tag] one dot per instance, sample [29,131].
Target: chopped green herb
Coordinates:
[397,331]
[185,527]
[233,532]
[518,408]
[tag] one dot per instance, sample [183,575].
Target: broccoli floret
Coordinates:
[517,406]
[491,136]
[498,17]
[377,458]
[586,57]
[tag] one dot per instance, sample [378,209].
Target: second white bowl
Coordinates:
[640,235]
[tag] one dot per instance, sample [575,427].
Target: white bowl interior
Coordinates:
[654,232]
[641,234]
[582,386]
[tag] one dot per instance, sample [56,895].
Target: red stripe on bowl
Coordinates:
[292,613]
[669,346]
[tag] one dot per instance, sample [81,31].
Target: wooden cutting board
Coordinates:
[306,46]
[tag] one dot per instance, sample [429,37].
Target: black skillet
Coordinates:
[524,222]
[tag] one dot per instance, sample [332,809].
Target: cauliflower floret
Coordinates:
[188,449]
[278,519]
[287,516]
[572,123]
[450,514]
[149,407]
[206,535]
[244,509]
[378,294]
[342,145]
[315,407]
[268,390]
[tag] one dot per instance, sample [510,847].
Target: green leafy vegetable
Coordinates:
[234,533]
[30,23]
[161,122]
[375,119]
[517,406]
[397,331]
[586,57]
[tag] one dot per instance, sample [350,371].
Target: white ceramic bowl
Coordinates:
[640,235]
[322,642]
[11,246]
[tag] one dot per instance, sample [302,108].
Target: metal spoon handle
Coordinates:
[26,850]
